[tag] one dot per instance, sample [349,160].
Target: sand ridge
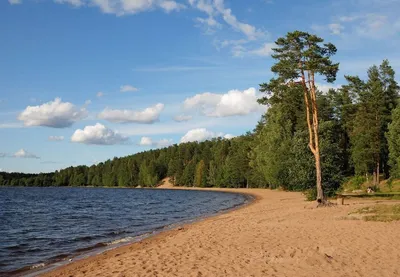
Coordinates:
[278,235]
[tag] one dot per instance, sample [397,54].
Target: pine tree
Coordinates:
[300,57]
[200,174]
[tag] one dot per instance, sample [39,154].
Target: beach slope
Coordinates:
[279,234]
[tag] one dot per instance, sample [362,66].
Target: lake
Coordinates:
[40,226]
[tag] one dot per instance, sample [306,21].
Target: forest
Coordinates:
[358,134]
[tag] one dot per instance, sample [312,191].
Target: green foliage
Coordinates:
[311,194]
[200,177]
[374,100]
[393,137]
[354,183]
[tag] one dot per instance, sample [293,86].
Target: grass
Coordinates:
[383,213]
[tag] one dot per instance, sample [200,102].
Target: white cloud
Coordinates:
[24,154]
[56,138]
[202,134]
[209,21]
[147,141]
[264,51]
[240,48]
[170,6]
[182,117]
[76,3]
[335,28]
[164,142]
[98,134]
[217,7]
[148,115]
[100,94]
[55,114]
[326,87]
[229,136]
[124,7]
[12,125]
[204,100]
[234,102]
[15,2]
[366,25]
[127,88]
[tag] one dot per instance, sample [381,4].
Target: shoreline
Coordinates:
[100,248]
[277,233]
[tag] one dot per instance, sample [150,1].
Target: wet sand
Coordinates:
[279,234]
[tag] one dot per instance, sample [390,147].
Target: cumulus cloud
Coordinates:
[202,134]
[15,2]
[55,114]
[24,154]
[229,136]
[100,94]
[147,116]
[234,102]
[199,134]
[147,141]
[98,134]
[182,118]
[127,88]
[56,138]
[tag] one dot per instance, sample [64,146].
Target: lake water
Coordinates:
[39,226]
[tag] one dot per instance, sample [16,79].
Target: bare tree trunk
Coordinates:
[310,100]
[320,192]
[377,174]
[318,170]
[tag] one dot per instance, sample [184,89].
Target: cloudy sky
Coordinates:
[82,81]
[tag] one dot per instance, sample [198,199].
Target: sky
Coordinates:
[83,81]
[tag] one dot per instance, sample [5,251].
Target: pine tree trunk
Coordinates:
[377,174]
[320,192]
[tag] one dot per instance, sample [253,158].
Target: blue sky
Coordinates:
[82,81]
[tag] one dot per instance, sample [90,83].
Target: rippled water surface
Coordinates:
[40,225]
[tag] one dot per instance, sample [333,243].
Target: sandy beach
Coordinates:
[279,234]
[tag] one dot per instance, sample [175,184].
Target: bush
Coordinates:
[353,183]
[311,194]
[390,183]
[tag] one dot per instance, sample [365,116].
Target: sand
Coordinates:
[279,234]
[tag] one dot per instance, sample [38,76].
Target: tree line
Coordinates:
[351,130]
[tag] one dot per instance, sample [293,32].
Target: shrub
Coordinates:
[311,194]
